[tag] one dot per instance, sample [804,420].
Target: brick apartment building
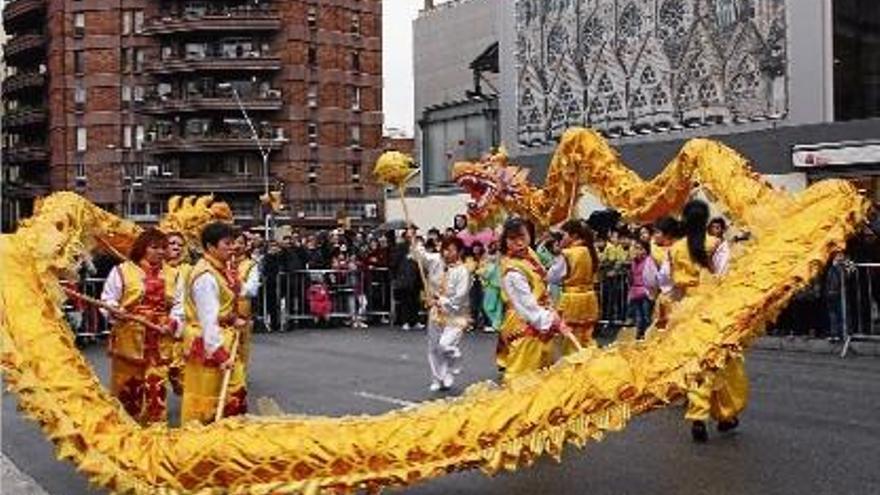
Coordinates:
[131,101]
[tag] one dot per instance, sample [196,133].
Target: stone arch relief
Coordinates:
[630,67]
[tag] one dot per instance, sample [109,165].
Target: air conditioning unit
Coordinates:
[313,103]
[371,210]
[313,145]
[167,173]
[273,93]
[300,214]
[152,170]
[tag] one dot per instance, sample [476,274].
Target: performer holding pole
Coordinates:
[575,270]
[140,353]
[723,395]
[449,311]
[530,322]
[210,302]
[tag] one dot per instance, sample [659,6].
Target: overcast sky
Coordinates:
[397,57]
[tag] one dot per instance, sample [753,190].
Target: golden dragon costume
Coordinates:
[490,427]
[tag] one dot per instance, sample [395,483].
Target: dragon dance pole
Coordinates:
[227,375]
[114,310]
[402,190]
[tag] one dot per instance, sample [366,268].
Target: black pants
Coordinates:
[410,305]
[478,318]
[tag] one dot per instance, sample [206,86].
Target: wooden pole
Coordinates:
[427,287]
[577,345]
[114,310]
[227,374]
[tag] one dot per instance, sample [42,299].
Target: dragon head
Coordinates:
[494,186]
[189,215]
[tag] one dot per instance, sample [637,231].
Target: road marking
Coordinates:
[385,398]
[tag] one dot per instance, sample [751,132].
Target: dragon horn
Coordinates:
[173,203]
[203,202]
[188,202]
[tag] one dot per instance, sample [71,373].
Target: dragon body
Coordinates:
[585,160]
[489,427]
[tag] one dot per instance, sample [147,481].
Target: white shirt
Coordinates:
[454,295]
[558,271]
[524,302]
[251,285]
[111,294]
[206,299]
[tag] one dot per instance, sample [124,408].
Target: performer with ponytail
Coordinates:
[530,322]
[724,395]
[575,270]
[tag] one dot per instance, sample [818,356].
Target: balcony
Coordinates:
[25,117]
[252,62]
[211,143]
[239,19]
[19,13]
[238,184]
[26,153]
[270,102]
[23,81]
[24,46]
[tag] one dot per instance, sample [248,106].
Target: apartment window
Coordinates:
[126,136]
[79,94]
[81,139]
[355,98]
[127,59]
[79,62]
[312,95]
[356,61]
[241,166]
[355,24]
[138,21]
[139,138]
[126,22]
[79,24]
[312,17]
[126,95]
[313,55]
[355,134]
[313,133]
[313,174]
[138,59]
[138,93]
[356,172]
[80,170]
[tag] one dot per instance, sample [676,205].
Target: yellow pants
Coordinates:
[141,388]
[721,397]
[201,391]
[527,354]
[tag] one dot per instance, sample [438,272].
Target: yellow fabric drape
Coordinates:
[491,428]
[578,305]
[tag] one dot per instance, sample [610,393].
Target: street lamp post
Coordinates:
[264,153]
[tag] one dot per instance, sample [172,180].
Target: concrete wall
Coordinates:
[809,80]
[445,41]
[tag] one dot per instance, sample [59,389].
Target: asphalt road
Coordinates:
[813,425]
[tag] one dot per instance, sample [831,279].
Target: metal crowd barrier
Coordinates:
[353,294]
[860,304]
[613,299]
[86,320]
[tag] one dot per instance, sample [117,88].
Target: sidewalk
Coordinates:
[817,346]
[15,482]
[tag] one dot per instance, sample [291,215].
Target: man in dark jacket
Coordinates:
[407,282]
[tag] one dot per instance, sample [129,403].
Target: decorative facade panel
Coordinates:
[632,67]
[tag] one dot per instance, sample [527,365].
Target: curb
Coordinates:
[816,346]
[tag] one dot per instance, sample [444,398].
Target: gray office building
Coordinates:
[792,84]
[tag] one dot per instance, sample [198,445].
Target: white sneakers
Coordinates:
[405,327]
[420,326]
[443,385]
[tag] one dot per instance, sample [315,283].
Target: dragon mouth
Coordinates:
[481,192]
